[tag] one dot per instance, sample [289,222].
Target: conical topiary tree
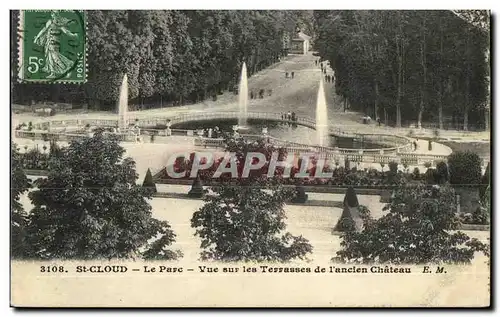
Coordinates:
[350,197]
[149,182]
[197,188]
[300,194]
[346,222]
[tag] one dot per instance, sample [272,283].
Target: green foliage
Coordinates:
[19,185]
[442,174]
[54,149]
[365,214]
[196,189]
[300,194]
[90,207]
[171,56]
[351,199]
[420,228]
[393,167]
[346,222]
[406,65]
[430,176]
[416,173]
[485,181]
[465,168]
[149,182]
[245,221]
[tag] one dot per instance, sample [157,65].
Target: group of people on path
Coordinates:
[328,78]
[289,116]
[290,75]
[260,94]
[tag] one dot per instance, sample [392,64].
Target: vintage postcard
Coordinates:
[225,158]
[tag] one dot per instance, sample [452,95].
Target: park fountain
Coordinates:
[123,105]
[321,117]
[243,98]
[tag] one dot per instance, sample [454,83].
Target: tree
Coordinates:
[19,218]
[90,207]
[244,221]
[442,174]
[419,228]
[170,56]
[407,65]
[196,190]
[149,182]
[351,199]
[346,222]
[485,181]
[465,168]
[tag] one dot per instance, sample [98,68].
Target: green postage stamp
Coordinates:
[52,46]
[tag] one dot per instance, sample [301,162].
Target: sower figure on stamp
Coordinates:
[56,64]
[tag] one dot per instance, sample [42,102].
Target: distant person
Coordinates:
[286,75]
[293,75]
[289,115]
[261,93]
[251,94]
[282,116]
[378,121]
[293,116]
[415,145]
[210,132]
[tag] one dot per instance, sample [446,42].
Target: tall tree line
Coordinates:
[407,66]
[171,56]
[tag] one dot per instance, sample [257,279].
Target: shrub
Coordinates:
[442,174]
[430,176]
[345,223]
[149,182]
[420,228]
[480,216]
[485,181]
[416,173]
[300,195]
[393,167]
[464,168]
[196,189]
[351,199]
[365,215]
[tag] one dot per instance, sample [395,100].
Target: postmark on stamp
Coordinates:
[52,46]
